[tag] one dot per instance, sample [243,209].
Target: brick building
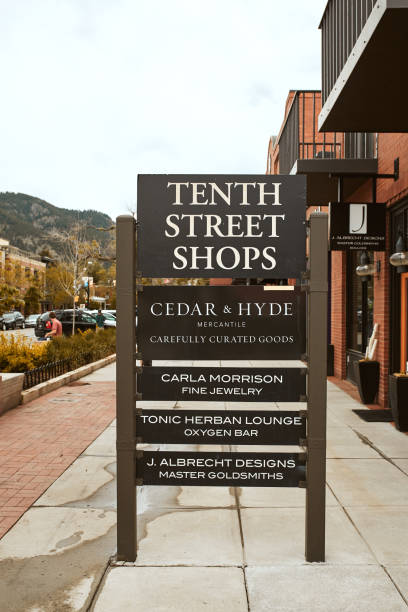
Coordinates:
[20,268]
[349,140]
[362,91]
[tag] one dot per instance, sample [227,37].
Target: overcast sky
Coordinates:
[96,91]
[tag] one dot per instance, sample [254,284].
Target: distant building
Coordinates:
[20,268]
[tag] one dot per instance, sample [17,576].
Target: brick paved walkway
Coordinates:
[40,440]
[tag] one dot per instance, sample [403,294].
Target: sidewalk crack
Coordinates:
[353,523]
[99,585]
[367,441]
[241,533]
[246,588]
[395,584]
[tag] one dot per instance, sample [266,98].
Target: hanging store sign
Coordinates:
[357,227]
[221,225]
[236,322]
[219,469]
[222,384]
[220,427]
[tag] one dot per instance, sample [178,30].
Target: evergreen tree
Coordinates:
[10,298]
[32,300]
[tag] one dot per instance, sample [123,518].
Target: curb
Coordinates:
[60,381]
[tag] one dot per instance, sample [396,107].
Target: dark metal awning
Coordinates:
[322,185]
[370,93]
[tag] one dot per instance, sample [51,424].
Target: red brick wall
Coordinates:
[390,146]
[220,281]
[305,131]
[338,312]
[306,127]
[381,316]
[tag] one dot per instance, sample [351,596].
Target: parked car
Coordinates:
[12,320]
[31,320]
[112,312]
[83,321]
[110,320]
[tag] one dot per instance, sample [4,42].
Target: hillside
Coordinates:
[27,222]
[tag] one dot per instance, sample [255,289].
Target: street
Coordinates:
[27,333]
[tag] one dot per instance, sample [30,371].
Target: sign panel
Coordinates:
[219,469]
[220,427]
[221,225]
[357,226]
[237,322]
[222,384]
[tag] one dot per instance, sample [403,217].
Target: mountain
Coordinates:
[27,222]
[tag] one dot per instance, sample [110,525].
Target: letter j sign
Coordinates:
[357,226]
[358,218]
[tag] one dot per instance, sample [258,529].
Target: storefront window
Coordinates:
[399,295]
[360,305]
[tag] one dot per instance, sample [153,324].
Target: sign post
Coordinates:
[317,385]
[224,323]
[126,387]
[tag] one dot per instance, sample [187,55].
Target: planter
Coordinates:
[64,379]
[330,360]
[398,396]
[11,386]
[368,379]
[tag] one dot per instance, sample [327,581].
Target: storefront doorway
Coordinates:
[399,294]
[360,308]
[404,323]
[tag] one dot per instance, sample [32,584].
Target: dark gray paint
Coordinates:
[262,337]
[126,387]
[220,427]
[229,464]
[152,384]
[317,389]
[156,250]
[342,240]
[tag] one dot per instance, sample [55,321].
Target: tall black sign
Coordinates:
[236,322]
[220,469]
[220,427]
[222,384]
[221,225]
[355,227]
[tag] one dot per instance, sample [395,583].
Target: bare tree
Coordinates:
[109,252]
[74,254]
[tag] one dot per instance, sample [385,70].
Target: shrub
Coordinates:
[18,354]
[82,348]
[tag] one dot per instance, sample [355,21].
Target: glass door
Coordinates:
[359,313]
[404,322]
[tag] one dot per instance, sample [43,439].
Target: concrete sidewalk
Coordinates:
[216,548]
